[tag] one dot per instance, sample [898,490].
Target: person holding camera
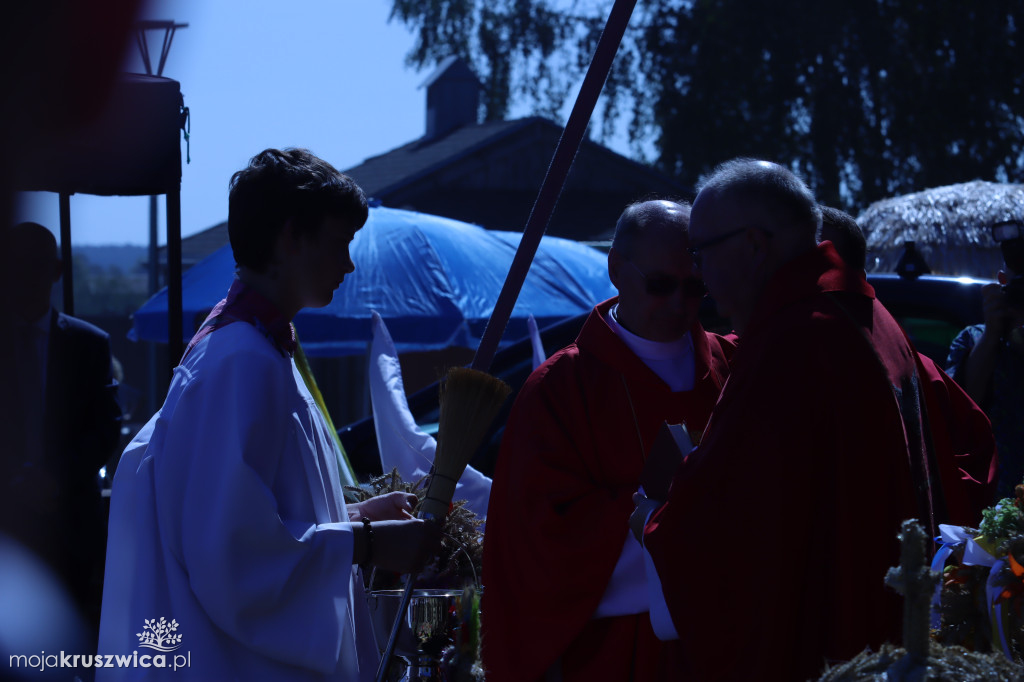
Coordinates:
[988,359]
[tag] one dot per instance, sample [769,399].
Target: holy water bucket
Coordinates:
[431,624]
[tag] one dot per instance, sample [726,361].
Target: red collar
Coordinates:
[598,337]
[245,304]
[817,271]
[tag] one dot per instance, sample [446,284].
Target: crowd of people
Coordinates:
[817,426]
[817,429]
[988,359]
[826,430]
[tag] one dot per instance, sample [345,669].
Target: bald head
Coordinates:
[649,265]
[777,198]
[649,218]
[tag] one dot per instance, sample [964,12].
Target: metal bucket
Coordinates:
[430,625]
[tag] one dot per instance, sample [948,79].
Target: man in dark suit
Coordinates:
[60,421]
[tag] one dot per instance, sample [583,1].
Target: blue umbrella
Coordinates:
[434,281]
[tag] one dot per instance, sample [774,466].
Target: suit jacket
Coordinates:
[56,499]
[82,423]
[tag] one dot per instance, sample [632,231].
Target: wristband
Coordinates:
[369,541]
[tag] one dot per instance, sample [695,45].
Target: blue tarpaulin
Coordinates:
[434,281]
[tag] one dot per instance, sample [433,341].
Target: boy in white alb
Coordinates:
[227,517]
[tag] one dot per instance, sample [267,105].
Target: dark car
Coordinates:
[933,309]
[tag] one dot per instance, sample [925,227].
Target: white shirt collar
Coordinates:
[646,349]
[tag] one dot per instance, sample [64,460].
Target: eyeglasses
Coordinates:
[662,285]
[695,249]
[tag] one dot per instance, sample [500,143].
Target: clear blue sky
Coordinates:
[328,75]
[324,74]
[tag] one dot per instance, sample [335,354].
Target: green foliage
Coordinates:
[1002,522]
[866,98]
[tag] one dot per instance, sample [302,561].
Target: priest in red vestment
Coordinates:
[780,526]
[964,445]
[564,592]
[961,433]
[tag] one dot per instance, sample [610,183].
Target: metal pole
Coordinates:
[140,37]
[551,188]
[64,200]
[154,286]
[568,145]
[174,322]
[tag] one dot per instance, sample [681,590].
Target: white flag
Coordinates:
[402,443]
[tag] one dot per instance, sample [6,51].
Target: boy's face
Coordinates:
[321,260]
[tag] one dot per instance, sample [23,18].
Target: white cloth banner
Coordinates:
[539,356]
[402,443]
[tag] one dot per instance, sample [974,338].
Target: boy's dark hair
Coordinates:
[286,185]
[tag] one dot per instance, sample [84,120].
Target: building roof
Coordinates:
[451,67]
[387,174]
[200,245]
[489,173]
[383,174]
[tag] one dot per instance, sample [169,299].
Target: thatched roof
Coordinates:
[951,226]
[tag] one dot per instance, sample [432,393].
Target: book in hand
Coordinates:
[671,445]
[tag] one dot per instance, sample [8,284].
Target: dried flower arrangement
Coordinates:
[461,559]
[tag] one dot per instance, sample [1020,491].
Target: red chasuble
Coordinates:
[570,462]
[781,525]
[964,445]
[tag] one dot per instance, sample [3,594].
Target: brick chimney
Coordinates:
[453,97]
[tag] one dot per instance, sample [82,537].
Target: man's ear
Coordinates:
[1002,277]
[58,270]
[614,265]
